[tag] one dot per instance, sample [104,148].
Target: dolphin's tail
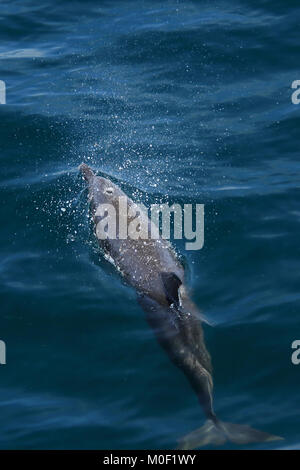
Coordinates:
[86,171]
[218,432]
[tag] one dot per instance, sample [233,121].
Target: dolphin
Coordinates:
[152,267]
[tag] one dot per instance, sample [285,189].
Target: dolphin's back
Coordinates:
[140,261]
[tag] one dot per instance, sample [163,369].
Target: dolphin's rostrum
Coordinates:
[153,269]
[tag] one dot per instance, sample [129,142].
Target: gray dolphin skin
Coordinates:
[153,269]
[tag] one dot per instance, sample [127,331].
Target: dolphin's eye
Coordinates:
[109,190]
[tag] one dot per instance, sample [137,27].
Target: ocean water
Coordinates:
[183,101]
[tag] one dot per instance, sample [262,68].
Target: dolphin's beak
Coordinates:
[87,172]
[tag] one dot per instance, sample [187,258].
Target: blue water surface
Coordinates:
[181,100]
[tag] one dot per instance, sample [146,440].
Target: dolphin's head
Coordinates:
[104,191]
[101,190]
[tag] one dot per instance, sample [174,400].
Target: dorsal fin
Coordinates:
[171,284]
